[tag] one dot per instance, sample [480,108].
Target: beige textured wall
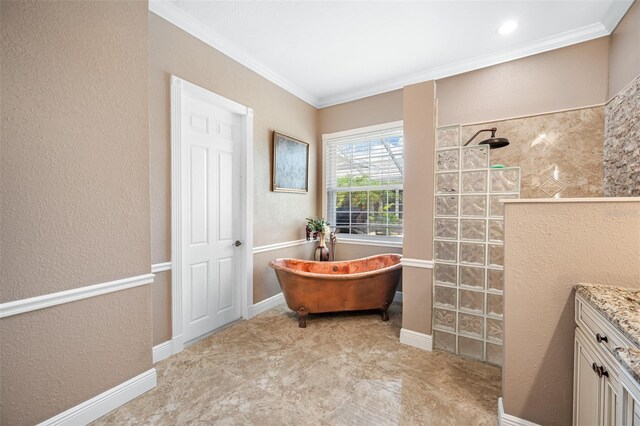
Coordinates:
[162,309]
[266,277]
[419,136]
[358,251]
[567,78]
[378,109]
[56,358]
[278,217]
[74,199]
[74,139]
[551,246]
[624,57]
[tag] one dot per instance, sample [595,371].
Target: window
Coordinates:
[364,177]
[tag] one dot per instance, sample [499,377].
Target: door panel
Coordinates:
[198,291]
[225,197]
[199,194]
[199,123]
[211,212]
[225,271]
[610,403]
[586,387]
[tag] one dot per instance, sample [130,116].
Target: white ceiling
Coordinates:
[329,52]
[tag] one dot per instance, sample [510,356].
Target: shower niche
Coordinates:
[468,247]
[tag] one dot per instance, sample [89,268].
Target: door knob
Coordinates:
[237,243]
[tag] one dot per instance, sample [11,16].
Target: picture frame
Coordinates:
[290,168]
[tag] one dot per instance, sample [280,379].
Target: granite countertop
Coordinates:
[630,359]
[621,306]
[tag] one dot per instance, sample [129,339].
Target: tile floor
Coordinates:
[341,370]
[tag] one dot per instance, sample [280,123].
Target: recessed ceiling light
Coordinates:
[507,27]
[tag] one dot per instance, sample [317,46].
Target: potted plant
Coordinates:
[319,227]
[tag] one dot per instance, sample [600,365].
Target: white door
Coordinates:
[210,155]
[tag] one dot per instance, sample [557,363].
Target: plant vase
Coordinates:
[321,253]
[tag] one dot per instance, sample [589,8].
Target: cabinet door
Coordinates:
[630,410]
[610,401]
[586,387]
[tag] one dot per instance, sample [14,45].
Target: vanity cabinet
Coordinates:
[597,383]
[596,386]
[630,401]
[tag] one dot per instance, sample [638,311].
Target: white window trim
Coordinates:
[346,133]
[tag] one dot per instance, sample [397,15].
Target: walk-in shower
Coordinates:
[469,245]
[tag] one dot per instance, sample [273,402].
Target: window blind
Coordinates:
[364,178]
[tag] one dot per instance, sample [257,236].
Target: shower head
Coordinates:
[493,142]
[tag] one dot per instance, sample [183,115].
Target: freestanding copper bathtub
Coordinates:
[354,285]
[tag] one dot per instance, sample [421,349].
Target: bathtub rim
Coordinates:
[342,277]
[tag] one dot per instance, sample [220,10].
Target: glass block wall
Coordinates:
[468,247]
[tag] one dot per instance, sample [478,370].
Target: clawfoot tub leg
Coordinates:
[302,315]
[385,315]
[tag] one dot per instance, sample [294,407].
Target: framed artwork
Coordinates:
[290,171]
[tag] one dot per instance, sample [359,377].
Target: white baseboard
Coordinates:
[415,339]
[177,342]
[398,297]
[107,401]
[509,420]
[168,348]
[266,304]
[162,351]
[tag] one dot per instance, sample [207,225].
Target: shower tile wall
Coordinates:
[468,248]
[560,155]
[622,143]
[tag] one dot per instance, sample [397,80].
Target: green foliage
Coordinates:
[391,217]
[363,180]
[317,224]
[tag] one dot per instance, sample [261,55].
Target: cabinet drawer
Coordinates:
[593,325]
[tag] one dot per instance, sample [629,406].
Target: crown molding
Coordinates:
[173,14]
[181,19]
[615,13]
